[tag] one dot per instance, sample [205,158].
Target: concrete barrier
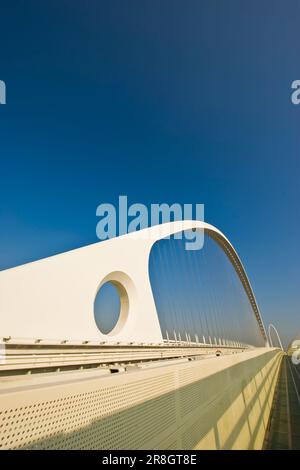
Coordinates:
[211,403]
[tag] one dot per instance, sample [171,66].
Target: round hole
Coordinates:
[110,307]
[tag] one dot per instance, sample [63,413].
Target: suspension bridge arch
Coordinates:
[53,298]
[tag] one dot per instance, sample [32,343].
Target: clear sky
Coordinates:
[163,101]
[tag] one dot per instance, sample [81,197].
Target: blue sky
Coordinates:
[164,101]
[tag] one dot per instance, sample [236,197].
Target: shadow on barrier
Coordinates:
[226,410]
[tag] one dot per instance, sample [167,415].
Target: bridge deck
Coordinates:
[25,358]
[178,403]
[284,425]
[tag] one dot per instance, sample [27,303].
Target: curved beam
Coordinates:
[230,252]
[277,334]
[53,298]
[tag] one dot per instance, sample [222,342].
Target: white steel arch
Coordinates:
[277,334]
[53,298]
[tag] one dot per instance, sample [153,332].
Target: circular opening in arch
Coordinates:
[111,307]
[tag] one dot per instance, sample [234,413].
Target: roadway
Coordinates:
[284,425]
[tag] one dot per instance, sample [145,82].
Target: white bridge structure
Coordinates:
[272,327]
[64,384]
[54,298]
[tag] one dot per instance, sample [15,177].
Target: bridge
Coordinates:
[179,368]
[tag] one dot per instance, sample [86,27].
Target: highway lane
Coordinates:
[284,425]
[294,398]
